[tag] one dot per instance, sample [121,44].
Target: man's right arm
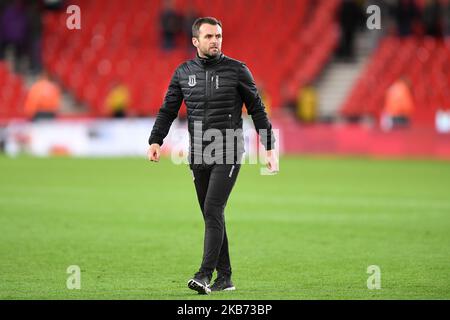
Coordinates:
[168,111]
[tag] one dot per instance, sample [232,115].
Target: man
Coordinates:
[170,25]
[398,105]
[13,32]
[214,87]
[118,100]
[43,99]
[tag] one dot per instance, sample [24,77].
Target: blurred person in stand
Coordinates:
[446,18]
[188,20]
[34,17]
[43,100]
[13,32]
[399,105]
[170,22]
[307,104]
[54,5]
[350,16]
[3,5]
[405,13]
[288,98]
[432,18]
[118,100]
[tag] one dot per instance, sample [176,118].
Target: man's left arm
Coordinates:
[256,109]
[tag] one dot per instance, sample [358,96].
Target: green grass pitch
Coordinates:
[135,229]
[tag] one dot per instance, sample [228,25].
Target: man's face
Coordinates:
[209,42]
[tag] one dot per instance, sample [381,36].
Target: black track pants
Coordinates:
[213,186]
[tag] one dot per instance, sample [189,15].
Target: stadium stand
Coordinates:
[12,93]
[425,62]
[120,41]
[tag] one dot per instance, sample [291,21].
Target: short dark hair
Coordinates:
[204,20]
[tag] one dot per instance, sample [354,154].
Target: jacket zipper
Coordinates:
[207,84]
[207,98]
[211,84]
[231,171]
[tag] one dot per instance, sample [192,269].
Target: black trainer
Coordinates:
[223,283]
[200,283]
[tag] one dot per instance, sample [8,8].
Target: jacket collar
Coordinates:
[204,62]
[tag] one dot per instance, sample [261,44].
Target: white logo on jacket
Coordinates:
[192,80]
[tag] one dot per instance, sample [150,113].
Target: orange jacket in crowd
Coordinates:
[399,100]
[43,96]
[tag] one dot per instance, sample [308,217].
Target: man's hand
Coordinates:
[154,152]
[272,161]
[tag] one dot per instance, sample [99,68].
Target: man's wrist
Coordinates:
[155,140]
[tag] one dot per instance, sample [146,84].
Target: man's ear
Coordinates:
[195,42]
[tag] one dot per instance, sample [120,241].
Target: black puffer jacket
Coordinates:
[214,91]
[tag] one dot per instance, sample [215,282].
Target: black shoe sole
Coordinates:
[225,289]
[197,286]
